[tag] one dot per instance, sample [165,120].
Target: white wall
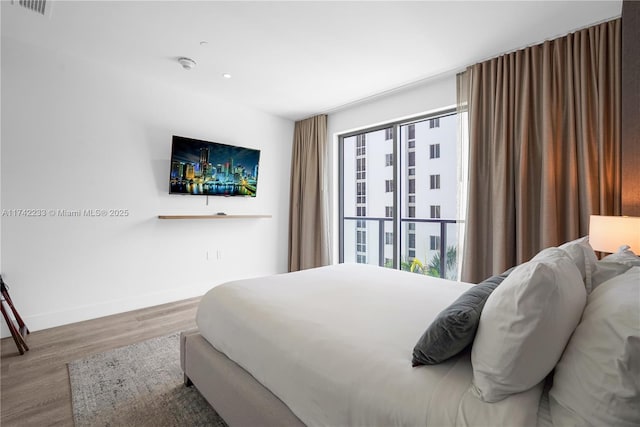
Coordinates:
[432,95]
[78,135]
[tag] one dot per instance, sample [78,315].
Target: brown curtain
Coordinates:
[544,146]
[308,234]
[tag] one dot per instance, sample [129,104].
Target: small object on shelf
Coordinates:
[17,331]
[221,213]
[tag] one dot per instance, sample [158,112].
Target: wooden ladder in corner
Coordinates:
[17,327]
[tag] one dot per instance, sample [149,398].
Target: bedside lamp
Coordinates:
[608,233]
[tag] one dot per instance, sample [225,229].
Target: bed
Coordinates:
[332,346]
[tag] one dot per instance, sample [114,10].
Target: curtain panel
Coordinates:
[544,146]
[308,232]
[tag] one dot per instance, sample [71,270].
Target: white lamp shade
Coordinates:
[608,233]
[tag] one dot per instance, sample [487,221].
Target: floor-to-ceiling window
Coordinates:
[398,201]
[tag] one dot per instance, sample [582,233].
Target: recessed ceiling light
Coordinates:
[204,42]
[226,75]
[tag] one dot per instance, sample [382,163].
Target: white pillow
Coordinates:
[583,256]
[597,381]
[614,265]
[625,256]
[525,325]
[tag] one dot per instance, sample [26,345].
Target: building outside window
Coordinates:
[435,211]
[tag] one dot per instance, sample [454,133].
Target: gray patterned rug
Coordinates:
[137,385]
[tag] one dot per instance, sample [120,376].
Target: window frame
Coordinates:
[392,127]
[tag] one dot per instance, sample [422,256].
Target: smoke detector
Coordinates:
[187,63]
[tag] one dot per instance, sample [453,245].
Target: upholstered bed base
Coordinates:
[238,397]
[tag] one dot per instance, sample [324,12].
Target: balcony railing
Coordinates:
[381,233]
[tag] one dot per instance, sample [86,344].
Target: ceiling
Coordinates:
[295,59]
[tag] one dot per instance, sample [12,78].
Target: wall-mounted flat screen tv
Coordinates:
[212,169]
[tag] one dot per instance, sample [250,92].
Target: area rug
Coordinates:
[137,385]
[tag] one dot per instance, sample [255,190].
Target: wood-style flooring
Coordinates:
[35,388]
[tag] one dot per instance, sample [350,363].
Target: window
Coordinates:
[388,186]
[386,182]
[361,192]
[434,243]
[361,167]
[412,158]
[434,182]
[434,151]
[361,145]
[411,131]
[388,238]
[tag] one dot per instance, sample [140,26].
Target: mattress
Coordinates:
[335,344]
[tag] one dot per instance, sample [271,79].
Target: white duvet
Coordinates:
[335,344]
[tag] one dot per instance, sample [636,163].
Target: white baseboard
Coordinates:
[105,308]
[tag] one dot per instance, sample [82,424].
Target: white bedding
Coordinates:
[335,344]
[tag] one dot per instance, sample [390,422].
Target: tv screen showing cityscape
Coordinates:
[212,169]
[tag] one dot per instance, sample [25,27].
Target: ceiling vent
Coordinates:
[42,7]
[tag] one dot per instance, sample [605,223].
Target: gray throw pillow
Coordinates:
[455,327]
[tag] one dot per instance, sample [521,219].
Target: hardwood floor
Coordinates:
[35,388]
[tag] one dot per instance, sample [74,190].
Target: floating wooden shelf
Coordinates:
[211,216]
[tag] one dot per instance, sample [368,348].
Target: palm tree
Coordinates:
[451,264]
